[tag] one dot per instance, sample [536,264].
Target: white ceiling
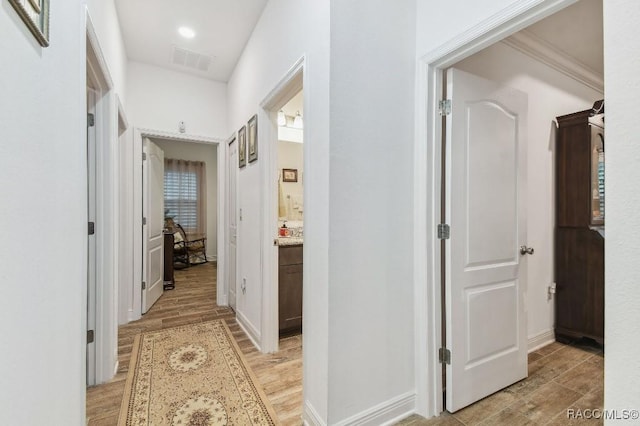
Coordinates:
[577,31]
[223,27]
[150,31]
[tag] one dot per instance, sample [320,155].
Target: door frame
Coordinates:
[428,184]
[223,291]
[139,134]
[290,84]
[107,207]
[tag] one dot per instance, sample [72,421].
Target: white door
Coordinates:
[153,215]
[91,252]
[485,274]
[233,224]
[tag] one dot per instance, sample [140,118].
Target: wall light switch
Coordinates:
[240,213]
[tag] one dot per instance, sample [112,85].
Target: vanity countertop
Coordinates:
[290,241]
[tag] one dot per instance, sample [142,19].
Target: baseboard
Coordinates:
[386,413]
[249,329]
[115,370]
[540,340]
[310,416]
[212,258]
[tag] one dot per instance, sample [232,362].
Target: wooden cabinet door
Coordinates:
[290,297]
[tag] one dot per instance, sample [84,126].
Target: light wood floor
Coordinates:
[560,376]
[193,301]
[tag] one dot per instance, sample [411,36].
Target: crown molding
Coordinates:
[543,51]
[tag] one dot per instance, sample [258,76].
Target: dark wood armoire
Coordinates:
[579,238]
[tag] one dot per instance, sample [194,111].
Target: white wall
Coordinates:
[209,154]
[159,99]
[43,207]
[550,94]
[105,21]
[287,30]
[291,156]
[622,243]
[371,314]
[357,312]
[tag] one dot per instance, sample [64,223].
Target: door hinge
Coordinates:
[144,285]
[91,120]
[92,228]
[444,107]
[444,356]
[144,220]
[443,231]
[90,336]
[144,156]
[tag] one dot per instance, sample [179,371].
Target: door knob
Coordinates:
[526,250]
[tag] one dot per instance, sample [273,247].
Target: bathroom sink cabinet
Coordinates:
[290,289]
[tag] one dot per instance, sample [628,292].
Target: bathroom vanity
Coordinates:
[290,285]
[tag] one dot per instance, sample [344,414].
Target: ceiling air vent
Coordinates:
[189,59]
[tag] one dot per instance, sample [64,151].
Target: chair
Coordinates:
[188,250]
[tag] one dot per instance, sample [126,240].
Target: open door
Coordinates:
[233,224]
[486,210]
[152,224]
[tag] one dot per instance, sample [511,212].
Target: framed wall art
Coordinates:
[253,138]
[35,15]
[242,147]
[289,175]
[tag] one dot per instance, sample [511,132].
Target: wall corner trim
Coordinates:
[181,137]
[310,416]
[542,51]
[280,89]
[385,413]
[506,22]
[96,49]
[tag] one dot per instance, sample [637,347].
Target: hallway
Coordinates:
[193,301]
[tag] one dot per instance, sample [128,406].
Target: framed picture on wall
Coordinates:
[35,15]
[253,138]
[289,175]
[242,147]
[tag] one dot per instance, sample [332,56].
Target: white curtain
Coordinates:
[185,194]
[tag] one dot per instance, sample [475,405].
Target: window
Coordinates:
[185,194]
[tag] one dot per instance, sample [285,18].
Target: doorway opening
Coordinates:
[102,216]
[290,230]
[560,75]
[191,169]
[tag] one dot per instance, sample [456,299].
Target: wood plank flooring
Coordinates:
[193,301]
[561,377]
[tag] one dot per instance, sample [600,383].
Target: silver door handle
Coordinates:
[526,250]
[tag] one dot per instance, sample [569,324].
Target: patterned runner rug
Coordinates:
[192,375]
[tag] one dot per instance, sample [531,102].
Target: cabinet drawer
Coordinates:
[290,255]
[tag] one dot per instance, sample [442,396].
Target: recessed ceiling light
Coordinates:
[186,32]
